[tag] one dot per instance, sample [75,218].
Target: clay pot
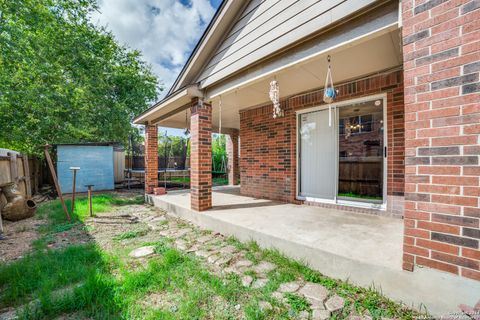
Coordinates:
[17,207]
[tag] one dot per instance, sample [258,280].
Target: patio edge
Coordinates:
[439,292]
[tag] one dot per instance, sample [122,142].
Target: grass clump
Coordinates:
[130,234]
[42,272]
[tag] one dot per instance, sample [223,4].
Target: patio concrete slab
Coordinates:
[364,249]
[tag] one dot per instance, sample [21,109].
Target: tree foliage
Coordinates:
[172,146]
[219,152]
[64,79]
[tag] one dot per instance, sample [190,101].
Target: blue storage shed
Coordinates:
[96,162]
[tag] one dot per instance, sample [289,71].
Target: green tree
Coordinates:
[219,153]
[63,79]
[174,146]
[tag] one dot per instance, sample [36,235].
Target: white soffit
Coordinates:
[369,26]
[378,52]
[165,107]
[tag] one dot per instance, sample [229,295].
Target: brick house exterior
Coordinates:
[431,87]
[441,42]
[269,146]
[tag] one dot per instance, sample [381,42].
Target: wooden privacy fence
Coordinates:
[21,169]
[361,175]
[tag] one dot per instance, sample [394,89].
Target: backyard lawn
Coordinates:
[132,261]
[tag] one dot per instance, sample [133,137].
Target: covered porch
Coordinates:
[263,150]
[363,249]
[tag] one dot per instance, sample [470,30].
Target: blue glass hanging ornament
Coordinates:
[329,92]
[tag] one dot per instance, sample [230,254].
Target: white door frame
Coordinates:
[334,107]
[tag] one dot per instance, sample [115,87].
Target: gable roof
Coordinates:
[211,37]
[209,41]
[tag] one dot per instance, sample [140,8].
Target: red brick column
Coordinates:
[442,115]
[201,155]
[233,159]
[151,158]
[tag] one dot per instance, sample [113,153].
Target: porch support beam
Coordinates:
[200,155]
[233,159]
[151,158]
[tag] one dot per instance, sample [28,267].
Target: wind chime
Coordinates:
[186,131]
[275,98]
[329,92]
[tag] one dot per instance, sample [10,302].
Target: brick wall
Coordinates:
[441,42]
[201,155]
[151,158]
[268,146]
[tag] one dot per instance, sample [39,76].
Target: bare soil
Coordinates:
[19,237]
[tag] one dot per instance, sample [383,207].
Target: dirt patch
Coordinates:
[19,237]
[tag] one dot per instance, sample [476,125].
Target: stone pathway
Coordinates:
[223,258]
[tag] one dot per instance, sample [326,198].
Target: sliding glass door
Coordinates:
[317,161]
[361,148]
[342,159]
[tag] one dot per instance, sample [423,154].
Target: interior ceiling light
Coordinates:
[378,102]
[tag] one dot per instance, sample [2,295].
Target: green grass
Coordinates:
[42,272]
[217,181]
[109,285]
[104,285]
[358,196]
[130,234]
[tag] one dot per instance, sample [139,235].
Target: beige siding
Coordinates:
[267,26]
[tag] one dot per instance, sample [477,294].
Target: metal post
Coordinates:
[55,181]
[74,169]
[89,186]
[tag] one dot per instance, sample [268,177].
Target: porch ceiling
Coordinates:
[367,56]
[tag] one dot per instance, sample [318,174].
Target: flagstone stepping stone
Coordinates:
[193,248]
[315,304]
[205,239]
[223,261]
[213,258]
[265,306]
[335,303]
[277,295]
[181,244]
[259,283]
[181,232]
[264,267]
[303,315]
[165,233]
[231,270]
[319,314]
[203,253]
[314,291]
[247,281]
[289,287]
[228,249]
[242,264]
[142,252]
